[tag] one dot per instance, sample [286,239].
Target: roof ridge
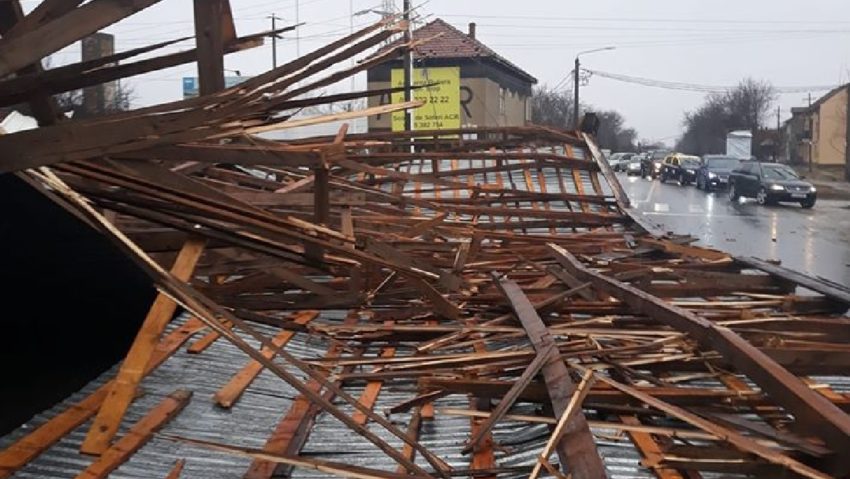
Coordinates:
[440,39]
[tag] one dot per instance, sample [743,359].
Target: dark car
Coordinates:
[715,170]
[770,183]
[682,168]
[651,163]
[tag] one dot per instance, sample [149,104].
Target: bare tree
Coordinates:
[550,107]
[750,102]
[745,107]
[555,108]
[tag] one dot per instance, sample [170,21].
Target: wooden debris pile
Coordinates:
[499,266]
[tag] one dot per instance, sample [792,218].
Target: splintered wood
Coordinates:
[397,281]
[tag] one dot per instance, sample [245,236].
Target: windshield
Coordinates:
[690,163]
[778,172]
[723,163]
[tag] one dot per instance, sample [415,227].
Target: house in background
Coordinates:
[796,133]
[819,133]
[475,83]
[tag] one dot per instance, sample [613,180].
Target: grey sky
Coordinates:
[717,42]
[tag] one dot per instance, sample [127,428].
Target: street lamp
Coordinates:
[576,81]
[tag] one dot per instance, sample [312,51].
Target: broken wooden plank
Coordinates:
[137,436]
[577,448]
[123,389]
[227,396]
[24,450]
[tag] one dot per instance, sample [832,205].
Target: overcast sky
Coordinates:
[788,42]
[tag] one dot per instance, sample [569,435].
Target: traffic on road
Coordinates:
[746,207]
[767,183]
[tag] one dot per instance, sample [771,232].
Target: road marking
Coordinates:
[656,213]
[696,208]
[650,193]
[661,207]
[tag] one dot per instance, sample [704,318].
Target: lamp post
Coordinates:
[576,81]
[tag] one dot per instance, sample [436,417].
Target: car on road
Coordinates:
[651,163]
[618,160]
[770,183]
[633,166]
[715,170]
[679,167]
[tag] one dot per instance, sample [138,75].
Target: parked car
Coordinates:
[618,161]
[651,163]
[682,168]
[770,183]
[714,172]
[633,166]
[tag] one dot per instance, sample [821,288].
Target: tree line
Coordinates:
[744,107]
[550,107]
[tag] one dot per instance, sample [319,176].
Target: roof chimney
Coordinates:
[472,30]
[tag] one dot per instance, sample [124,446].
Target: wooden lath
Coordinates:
[500,264]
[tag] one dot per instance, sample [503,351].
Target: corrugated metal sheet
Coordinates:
[250,422]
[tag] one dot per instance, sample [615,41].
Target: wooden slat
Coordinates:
[123,390]
[577,448]
[31,46]
[372,390]
[292,431]
[139,434]
[227,396]
[176,470]
[21,452]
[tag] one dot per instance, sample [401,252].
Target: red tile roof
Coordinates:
[445,41]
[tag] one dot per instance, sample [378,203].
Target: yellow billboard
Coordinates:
[441,110]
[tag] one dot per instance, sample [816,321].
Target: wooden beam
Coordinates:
[123,390]
[508,399]
[30,47]
[138,435]
[574,405]
[812,412]
[372,390]
[12,19]
[832,291]
[620,194]
[227,396]
[24,450]
[577,448]
[210,40]
[738,440]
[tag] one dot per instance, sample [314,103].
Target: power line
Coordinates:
[630,20]
[671,85]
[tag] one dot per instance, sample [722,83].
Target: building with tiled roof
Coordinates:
[493,91]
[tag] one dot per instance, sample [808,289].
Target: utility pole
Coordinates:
[297,29]
[408,67]
[351,32]
[576,81]
[575,93]
[778,134]
[274,39]
[811,134]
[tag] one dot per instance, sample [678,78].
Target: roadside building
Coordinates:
[819,133]
[796,133]
[473,85]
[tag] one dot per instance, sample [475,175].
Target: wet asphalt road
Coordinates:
[815,241]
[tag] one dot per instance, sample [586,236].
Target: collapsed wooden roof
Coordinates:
[499,267]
